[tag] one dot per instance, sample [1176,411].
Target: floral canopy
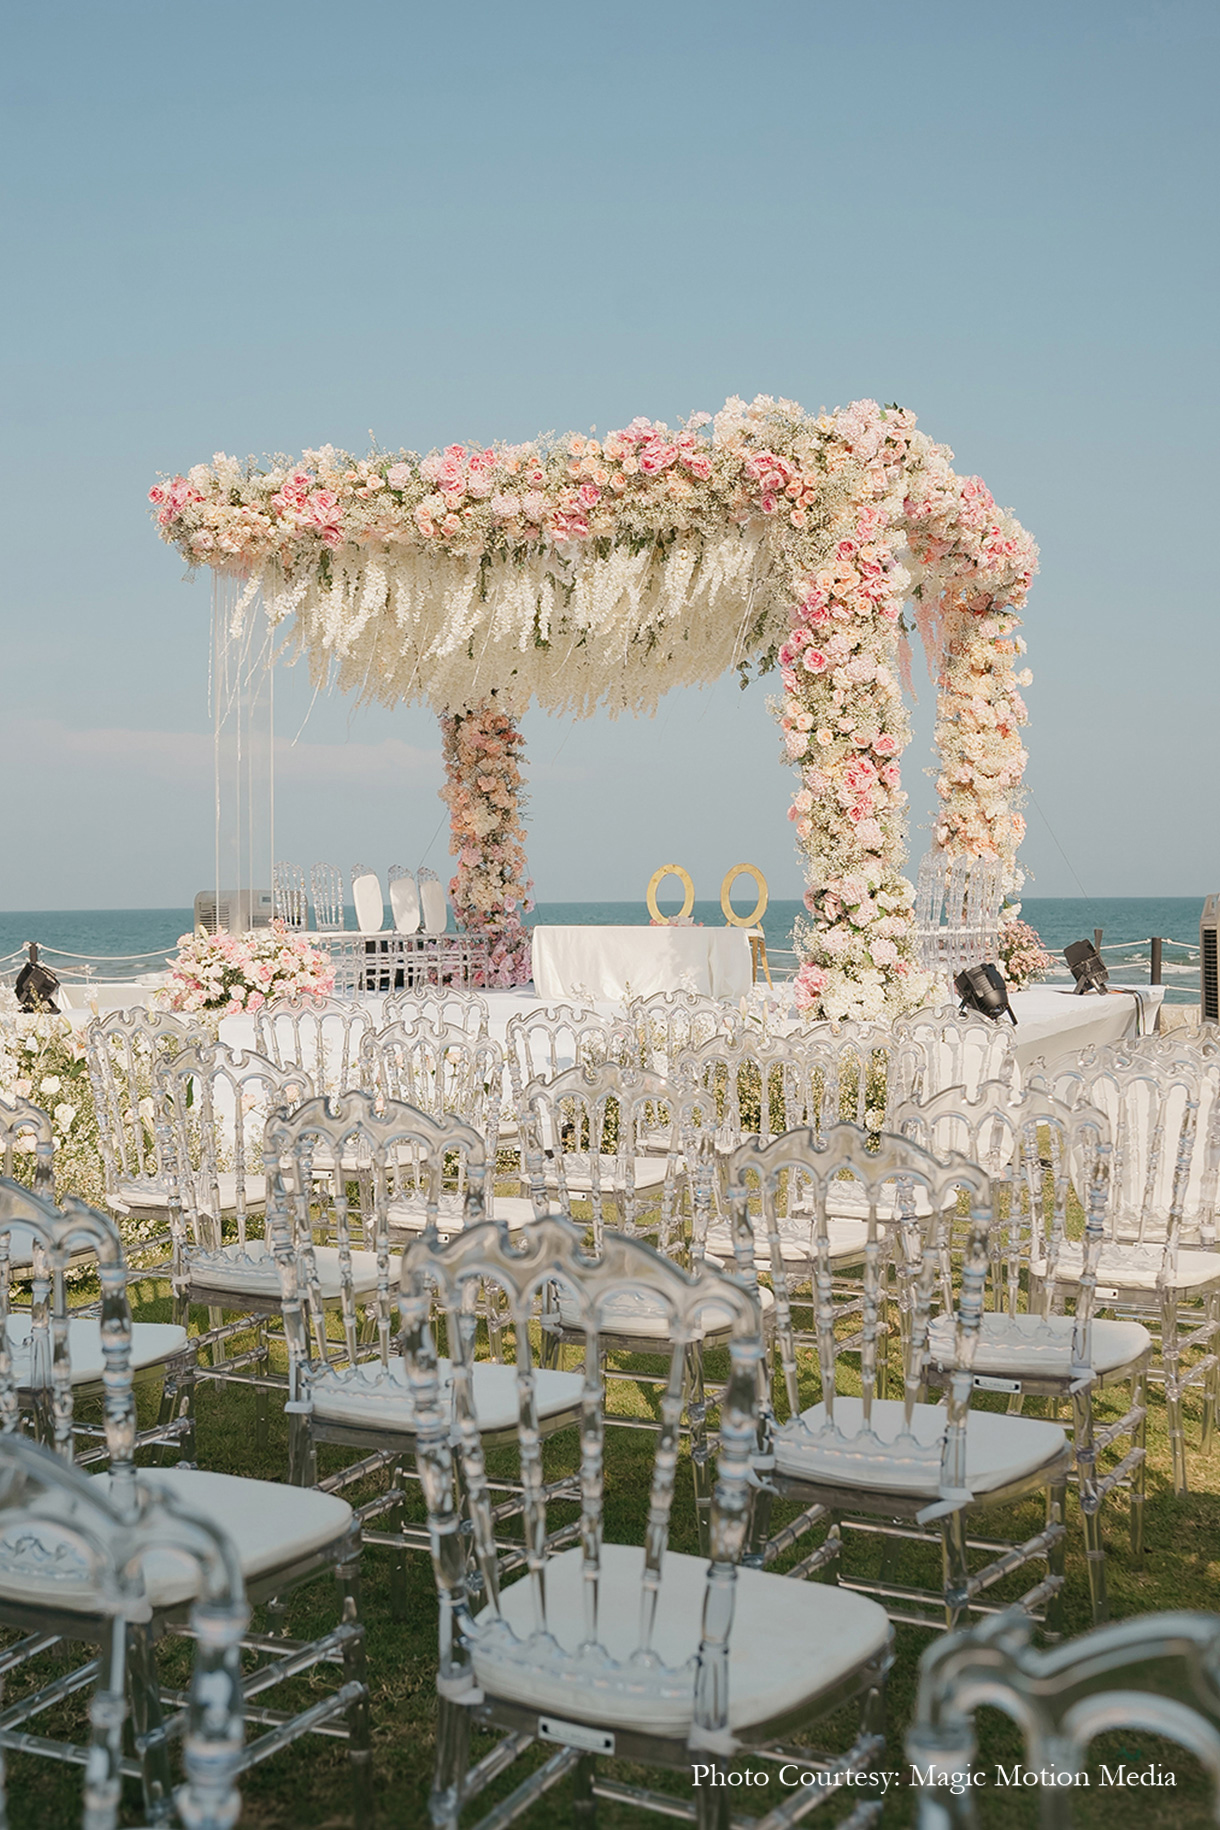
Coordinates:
[584,573]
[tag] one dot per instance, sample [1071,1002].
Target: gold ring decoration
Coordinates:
[726,891]
[670,870]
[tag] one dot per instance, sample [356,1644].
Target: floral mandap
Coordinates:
[587,572]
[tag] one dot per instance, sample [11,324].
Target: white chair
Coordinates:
[606,1648]
[404,899]
[899,1461]
[1156,1674]
[281,1537]
[368,900]
[67,1551]
[434,909]
[326,889]
[1032,1145]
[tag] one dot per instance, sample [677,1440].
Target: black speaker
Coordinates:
[982,988]
[1088,968]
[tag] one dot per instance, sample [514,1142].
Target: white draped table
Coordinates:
[1053,1022]
[618,963]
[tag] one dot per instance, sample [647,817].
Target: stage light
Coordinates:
[982,988]
[1088,968]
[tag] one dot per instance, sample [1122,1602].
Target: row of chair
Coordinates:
[417,899]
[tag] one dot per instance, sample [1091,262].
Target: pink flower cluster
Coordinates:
[1022,954]
[490,890]
[230,973]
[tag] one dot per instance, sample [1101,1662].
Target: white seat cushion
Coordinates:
[635,1312]
[999,1449]
[154,1198]
[1135,1267]
[1021,1346]
[412,1216]
[797,1245]
[250,1270]
[790,1641]
[151,1343]
[649,1172]
[270,1525]
[371,1394]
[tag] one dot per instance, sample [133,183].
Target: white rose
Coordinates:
[64,1114]
[51,1083]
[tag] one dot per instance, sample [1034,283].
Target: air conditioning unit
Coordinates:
[1209,984]
[240,910]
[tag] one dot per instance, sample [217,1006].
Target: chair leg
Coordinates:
[1170,1362]
[452,1761]
[700,1460]
[955,1566]
[395,1522]
[355,1671]
[302,1452]
[1139,1481]
[1211,1388]
[146,1723]
[712,1798]
[1090,1504]
[584,1804]
[261,1368]
[1056,1512]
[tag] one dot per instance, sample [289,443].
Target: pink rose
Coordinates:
[814,661]
[398,476]
[886,745]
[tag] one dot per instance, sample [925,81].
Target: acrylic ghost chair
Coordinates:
[291,902]
[123,1050]
[67,1552]
[349,1389]
[282,1538]
[212,1104]
[873,1462]
[326,891]
[543,1042]
[322,1036]
[953,1049]
[607,1649]
[441,1006]
[443,1071]
[1032,1146]
[1156,1674]
[1158,1262]
[26,1130]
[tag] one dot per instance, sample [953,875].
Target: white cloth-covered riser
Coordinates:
[1024,1345]
[999,1449]
[1135,1267]
[151,1344]
[618,962]
[251,1271]
[790,1642]
[378,1396]
[270,1525]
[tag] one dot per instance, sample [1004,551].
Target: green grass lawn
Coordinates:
[306,1786]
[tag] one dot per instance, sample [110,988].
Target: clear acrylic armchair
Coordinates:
[326,889]
[291,901]
[26,1130]
[123,1050]
[322,1036]
[607,1648]
[440,1006]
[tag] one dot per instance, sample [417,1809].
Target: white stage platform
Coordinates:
[1051,1022]
[619,962]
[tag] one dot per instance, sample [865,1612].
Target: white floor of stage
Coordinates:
[1052,1023]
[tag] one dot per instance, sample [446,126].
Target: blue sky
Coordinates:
[255,228]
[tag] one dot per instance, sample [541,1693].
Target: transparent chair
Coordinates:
[291,902]
[670,1022]
[1157,1674]
[954,1050]
[282,1538]
[326,889]
[606,1649]
[213,1103]
[540,1043]
[854,1452]
[441,1006]
[1032,1146]
[26,1130]
[123,1050]
[347,1384]
[1158,1261]
[68,1553]
[323,1037]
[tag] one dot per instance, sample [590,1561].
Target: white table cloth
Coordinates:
[1052,1022]
[612,963]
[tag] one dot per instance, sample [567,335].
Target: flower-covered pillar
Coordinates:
[490,890]
[979,715]
[846,725]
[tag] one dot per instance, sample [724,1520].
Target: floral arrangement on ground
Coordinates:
[589,571]
[228,973]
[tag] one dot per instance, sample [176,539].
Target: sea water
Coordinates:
[76,940]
